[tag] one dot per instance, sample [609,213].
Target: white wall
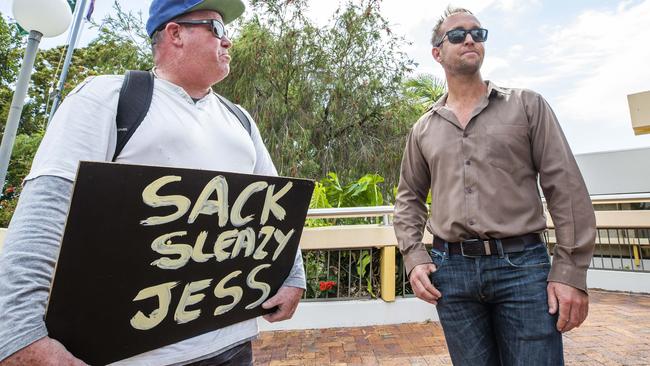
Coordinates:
[354,313]
[619,281]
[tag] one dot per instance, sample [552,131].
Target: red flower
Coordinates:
[327,285]
[9,190]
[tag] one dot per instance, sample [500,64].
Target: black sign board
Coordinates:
[152,256]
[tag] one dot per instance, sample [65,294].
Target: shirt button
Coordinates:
[468,189]
[467,162]
[472,222]
[464,134]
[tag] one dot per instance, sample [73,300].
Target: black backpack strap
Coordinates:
[133,105]
[237,112]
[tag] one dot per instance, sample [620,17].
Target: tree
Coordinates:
[107,54]
[11,49]
[326,99]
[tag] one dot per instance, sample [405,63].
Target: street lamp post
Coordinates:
[43,18]
[75,31]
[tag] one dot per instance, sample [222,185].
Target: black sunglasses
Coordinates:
[218,29]
[458,35]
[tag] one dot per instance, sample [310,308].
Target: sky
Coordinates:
[583,56]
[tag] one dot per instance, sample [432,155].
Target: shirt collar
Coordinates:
[492,89]
[440,103]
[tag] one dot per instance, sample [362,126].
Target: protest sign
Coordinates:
[153,255]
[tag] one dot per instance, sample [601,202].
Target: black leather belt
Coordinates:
[480,247]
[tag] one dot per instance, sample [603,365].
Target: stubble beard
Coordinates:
[468,67]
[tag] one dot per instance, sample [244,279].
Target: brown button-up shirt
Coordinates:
[483,181]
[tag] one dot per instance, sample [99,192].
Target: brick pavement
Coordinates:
[617,332]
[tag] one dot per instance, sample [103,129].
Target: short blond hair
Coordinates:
[436,34]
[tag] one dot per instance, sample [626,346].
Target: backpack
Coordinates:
[135,100]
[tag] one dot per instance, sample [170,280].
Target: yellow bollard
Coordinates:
[387,273]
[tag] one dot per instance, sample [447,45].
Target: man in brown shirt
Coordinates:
[480,150]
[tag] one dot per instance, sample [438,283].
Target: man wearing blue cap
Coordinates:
[187,125]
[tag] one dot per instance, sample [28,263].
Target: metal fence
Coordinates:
[343,274]
[617,249]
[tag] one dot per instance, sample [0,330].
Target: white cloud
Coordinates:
[493,63]
[601,57]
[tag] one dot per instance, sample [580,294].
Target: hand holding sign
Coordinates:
[286,301]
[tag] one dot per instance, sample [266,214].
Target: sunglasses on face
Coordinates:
[218,29]
[458,35]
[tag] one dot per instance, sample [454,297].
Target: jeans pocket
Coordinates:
[534,257]
[438,258]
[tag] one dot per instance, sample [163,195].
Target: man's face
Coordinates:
[204,52]
[463,58]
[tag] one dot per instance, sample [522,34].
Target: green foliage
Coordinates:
[316,271]
[325,98]
[423,90]
[334,192]
[329,192]
[125,30]
[21,157]
[319,197]
[363,263]
[366,191]
[21,161]
[350,273]
[11,43]
[358,280]
[7,208]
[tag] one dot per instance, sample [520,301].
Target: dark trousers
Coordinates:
[494,310]
[241,355]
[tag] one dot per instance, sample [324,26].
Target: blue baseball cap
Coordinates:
[162,11]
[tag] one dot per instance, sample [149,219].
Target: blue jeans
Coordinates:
[240,355]
[494,310]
